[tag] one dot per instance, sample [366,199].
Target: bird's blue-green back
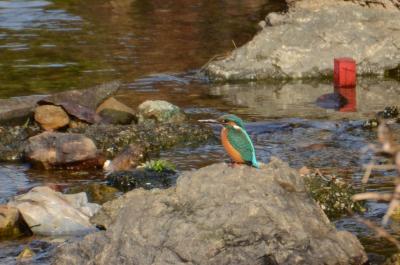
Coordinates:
[242,143]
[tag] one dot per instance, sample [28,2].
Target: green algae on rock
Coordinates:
[334,195]
[154,137]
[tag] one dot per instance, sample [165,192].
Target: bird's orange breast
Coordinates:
[235,155]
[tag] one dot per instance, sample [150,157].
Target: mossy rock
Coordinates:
[333,194]
[141,178]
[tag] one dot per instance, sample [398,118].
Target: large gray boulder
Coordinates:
[217,215]
[303,42]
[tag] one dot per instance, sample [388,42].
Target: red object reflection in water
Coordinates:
[350,94]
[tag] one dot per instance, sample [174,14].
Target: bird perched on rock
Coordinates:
[235,140]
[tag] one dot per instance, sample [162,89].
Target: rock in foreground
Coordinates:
[303,42]
[217,215]
[48,212]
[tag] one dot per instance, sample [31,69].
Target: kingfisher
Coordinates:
[235,140]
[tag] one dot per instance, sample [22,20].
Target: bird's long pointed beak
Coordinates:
[209,121]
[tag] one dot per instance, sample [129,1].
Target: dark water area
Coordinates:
[156,48]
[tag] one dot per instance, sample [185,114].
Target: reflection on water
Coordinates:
[58,45]
[311,100]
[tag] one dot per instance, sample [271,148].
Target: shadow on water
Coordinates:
[156,48]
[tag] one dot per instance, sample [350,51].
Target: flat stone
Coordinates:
[82,104]
[18,109]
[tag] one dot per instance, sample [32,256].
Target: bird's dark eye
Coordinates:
[225,121]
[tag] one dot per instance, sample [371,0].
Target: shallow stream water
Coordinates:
[156,48]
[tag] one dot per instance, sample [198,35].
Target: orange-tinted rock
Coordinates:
[51,117]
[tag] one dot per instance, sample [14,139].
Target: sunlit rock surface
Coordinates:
[217,215]
[303,42]
[48,212]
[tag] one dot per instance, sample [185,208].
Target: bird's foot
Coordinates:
[233,164]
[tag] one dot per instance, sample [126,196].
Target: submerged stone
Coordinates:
[217,215]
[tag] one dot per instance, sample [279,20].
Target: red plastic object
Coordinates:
[350,94]
[345,72]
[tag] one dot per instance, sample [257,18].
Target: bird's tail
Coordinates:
[255,164]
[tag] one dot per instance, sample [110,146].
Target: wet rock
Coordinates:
[51,117]
[13,141]
[159,111]
[82,104]
[48,212]
[218,215]
[286,49]
[112,116]
[334,195]
[389,112]
[114,112]
[89,98]
[11,223]
[112,139]
[17,110]
[97,193]
[131,157]
[331,101]
[141,178]
[52,150]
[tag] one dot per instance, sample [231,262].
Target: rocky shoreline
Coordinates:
[367,31]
